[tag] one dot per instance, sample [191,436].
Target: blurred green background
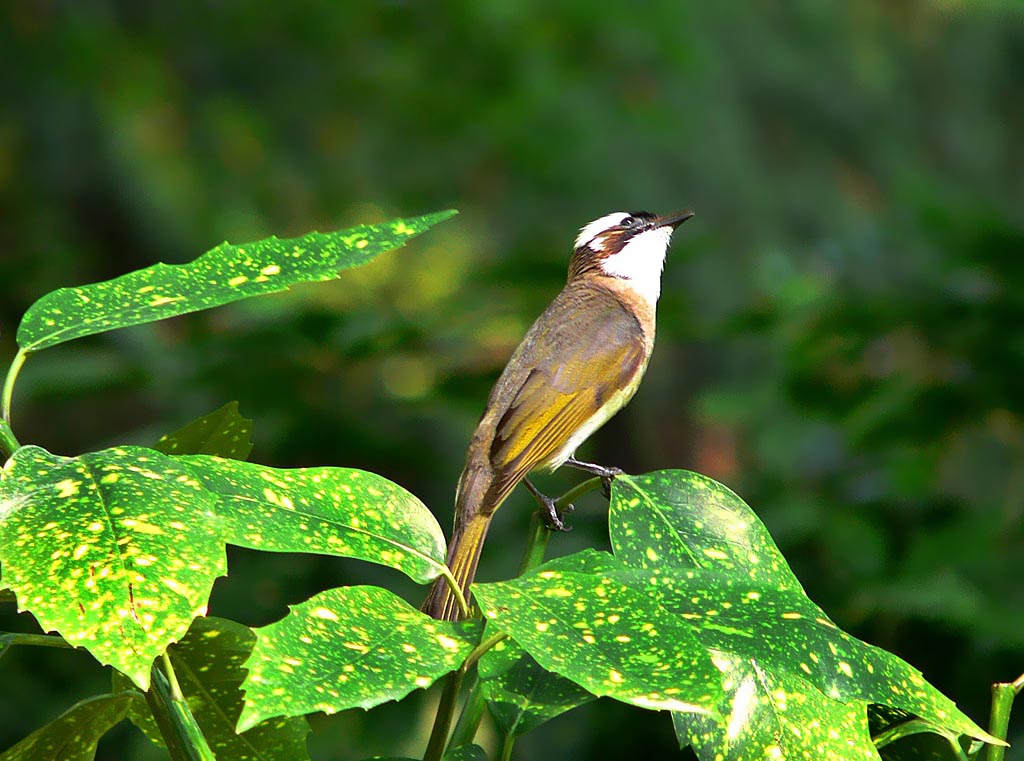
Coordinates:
[841,335]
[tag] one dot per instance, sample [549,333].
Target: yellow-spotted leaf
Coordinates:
[698,552]
[352,647]
[604,635]
[224,433]
[767,717]
[208,664]
[115,550]
[520,694]
[333,511]
[679,519]
[222,275]
[118,550]
[73,735]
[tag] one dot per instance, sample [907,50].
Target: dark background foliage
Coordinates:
[840,333]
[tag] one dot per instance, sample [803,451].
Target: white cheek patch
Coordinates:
[640,261]
[598,226]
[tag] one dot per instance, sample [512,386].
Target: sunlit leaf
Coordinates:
[680,519]
[767,717]
[224,274]
[73,735]
[224,433]
[208,665]
[335,511]
[115,550]
[703,555]
[605,636]
[520,694]
[352,647]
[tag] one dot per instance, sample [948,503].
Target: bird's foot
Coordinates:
[606,474]
[549,509]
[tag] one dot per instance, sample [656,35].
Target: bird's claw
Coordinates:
[553,518]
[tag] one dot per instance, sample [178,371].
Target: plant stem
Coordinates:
[1003,694]
[456,590]
[8,444]
[182,735]
[9,639]
[506,747]
[8,389]
[443,719]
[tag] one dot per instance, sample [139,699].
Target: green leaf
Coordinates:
[603,635]
[208,663]
[224,274]
[520,694]
[223,433]
[115,550]
[347,648]
[73,735]
[470,752]
[771,717]
[703,555]
[334,511]
[679,519]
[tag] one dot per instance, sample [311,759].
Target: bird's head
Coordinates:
[626,245]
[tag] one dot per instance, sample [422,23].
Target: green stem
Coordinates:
[469,721]
[8,444]
[456,590]
[506,747]
[1003,694]
[443,720]
[182,735]
[8,390]
[9,639]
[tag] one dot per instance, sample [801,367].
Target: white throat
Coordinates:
[640,262]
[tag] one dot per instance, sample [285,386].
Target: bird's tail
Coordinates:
[463,554]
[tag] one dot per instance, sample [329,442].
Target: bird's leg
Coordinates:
[551,516]
[607,475]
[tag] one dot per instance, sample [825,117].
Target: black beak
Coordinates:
[672,220]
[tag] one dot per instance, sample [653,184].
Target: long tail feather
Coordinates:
[463,555]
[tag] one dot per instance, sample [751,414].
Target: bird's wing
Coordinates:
[601,350]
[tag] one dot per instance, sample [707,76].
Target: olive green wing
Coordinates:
[601,350]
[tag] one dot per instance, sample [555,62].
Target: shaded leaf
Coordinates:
[73,735]
[334,511]
[352,647]
[520,694]
[466,753]
[224,433]
[224,274]
[208,665]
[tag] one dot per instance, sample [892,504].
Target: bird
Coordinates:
[579,364]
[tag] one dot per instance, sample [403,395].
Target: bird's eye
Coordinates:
[628,222]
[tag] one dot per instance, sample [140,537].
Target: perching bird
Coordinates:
[578,365]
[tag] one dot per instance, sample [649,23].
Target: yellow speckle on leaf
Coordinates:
[325,613]
[67,488]
[237,280]
[270,269]
[159,301]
